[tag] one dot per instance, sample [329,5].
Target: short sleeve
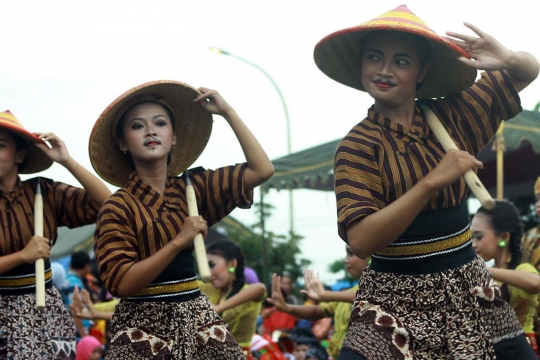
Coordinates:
[115,242]
[107,306]
[72,206]
[358,183]
[328,308]
[220,191]
[483,106]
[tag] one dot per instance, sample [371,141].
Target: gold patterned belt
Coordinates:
[22,281]
[174,288]
[427,247]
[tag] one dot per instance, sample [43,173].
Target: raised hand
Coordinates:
[37,248]
[212,101]
[487,53]
[277,296]
[58,151]
[314,287]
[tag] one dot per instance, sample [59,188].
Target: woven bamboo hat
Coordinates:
[537,186]
[36,160]
[338,54]
[193,125]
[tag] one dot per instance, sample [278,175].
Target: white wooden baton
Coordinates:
[200,250]
[446,141]
[40,263]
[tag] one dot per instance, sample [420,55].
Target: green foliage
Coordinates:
[283,251]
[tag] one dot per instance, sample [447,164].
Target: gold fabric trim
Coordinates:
[25,281]
[171,288]
[422,249]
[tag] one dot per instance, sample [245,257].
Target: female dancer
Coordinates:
[226,262]
[339,308]
[25,332]
[144,235]
[497,236]
[401,199]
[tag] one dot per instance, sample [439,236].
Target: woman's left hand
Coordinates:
[212,101]
[58,151]
[487,53]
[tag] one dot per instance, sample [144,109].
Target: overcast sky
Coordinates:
[63,62]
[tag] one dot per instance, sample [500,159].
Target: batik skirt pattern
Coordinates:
[457,313]
[28,333]
[170,330]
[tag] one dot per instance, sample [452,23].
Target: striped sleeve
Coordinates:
[73,207]
[220,191]
[481,108]
[115,241]
[358,182]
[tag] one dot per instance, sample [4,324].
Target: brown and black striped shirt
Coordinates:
[63,205]
[379,159]
[137,221]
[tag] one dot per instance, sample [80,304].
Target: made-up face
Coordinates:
[353,264]
[148,134]
[219,268]
[10,157]
[391,68]
[485,241]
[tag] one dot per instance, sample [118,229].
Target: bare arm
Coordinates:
[316,292]
[523,280]
[312,313]
[37,248]
[373,233]
[142,273]
[488,53]
[260,168]
[339,296]
[253,292]
[58,152]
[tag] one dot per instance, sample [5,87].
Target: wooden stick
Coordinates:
[200,250]
[446,141]
[40,263]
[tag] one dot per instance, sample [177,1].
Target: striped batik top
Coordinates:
[137,221]
[379,159]
[63,205]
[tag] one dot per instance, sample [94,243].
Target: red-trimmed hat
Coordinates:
[36,160]
[193,126]
[338,54]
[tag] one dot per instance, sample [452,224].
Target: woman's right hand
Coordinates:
[193,225]
[277,296]
[452,166]
[37,248]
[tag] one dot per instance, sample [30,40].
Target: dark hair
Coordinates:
[423,45]
[119,131]
[79,260]
[504,218]
[230,251]
[20,144]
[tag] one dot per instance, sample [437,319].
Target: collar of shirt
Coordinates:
[12,196]
[146,194]
[418,130]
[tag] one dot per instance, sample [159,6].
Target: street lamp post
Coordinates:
[288,124]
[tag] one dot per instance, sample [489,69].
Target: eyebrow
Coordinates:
[153,118]
[396,55]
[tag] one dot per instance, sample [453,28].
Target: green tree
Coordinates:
[283,251]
